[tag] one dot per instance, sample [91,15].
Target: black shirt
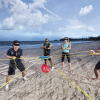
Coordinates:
[47,45]
[12,52]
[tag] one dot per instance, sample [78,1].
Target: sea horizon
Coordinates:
[5,45]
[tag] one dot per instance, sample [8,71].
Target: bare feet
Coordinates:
[95,79]
[70,71]
[61,68]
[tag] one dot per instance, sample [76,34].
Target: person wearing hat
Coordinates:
[15,56]
[97,67]
[66,46]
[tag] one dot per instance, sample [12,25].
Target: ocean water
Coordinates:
[5,45]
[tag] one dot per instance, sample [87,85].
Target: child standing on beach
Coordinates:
[15,56]
[97,67]
[47,46]
[66,46]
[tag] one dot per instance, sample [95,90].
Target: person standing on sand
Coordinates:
[97,67]
[47,46]
[66,46]
[15,56]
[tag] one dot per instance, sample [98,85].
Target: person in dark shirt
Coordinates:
[97,67]
[15,56]
[47,46]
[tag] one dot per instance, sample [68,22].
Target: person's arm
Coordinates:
[95,53]
[62,46]
[10,57]
[43,46]
[21,55]
[98,51]
[49,47]
[69,46]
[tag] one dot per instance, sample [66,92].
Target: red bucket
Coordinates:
[45,68]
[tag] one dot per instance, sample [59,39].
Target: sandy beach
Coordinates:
[53,85]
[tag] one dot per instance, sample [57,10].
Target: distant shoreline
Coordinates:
[4,45]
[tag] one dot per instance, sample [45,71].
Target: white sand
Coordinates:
[53,85]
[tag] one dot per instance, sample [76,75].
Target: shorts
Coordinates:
[63,56]
[47,54]
[97,65]
[12,68]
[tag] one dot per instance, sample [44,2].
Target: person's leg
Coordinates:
[63,55]
[7,82]
[70,67]
[50,61]
[69,62]
[8,78]
[11,71]
[21,67]
[96,74]
[23,73]
[45,60]
[51,64]
[63,65]
[97,67]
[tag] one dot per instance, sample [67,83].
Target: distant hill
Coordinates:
[83,39]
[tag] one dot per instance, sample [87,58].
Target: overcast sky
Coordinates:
[54,19]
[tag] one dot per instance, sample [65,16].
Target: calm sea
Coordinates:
[5,45]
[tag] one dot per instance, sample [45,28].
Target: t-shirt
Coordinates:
[18,53]
[47,45]
[66,46]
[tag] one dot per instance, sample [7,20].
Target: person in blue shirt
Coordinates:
[66,46]
[15,56]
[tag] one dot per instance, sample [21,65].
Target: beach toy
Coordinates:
[45,68]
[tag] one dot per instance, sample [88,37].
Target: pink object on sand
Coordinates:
[45,68]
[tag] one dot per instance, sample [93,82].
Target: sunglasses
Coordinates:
[46,41]
[65,39]
[16,44]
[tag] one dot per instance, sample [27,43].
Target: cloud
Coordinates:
[8,23]
[86,10]
[0,5]
[76,28]
[24,15]
[39,3]
[73,25]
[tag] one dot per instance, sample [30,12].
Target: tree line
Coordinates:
[83,39]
